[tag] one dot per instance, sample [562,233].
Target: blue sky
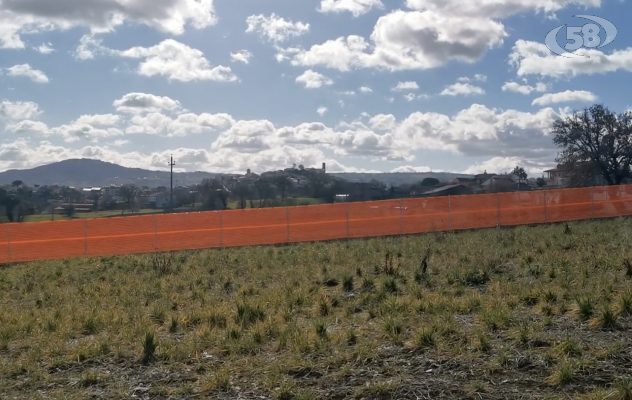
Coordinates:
[133,81]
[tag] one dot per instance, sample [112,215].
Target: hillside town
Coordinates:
[293,186]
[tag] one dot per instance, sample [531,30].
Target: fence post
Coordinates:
[401,222]
[221,230]
[545,206]
[9,242]
[449,214]
[498,207]
[85,234]
[347,218]
[287,222]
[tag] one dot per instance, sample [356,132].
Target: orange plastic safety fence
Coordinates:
[255,226]
[471,212]
[521,208]
[4,243]
[375,218]
[121,235]
[50,239]
[188,231]
[568,204]
[145,234]
[612,201]
[425,215]
[322,222]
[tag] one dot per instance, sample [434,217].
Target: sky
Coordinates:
[362,85]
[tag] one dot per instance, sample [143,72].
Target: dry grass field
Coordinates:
[521,313]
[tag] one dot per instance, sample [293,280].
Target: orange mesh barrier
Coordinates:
[375,218]
[425,215]
[568,204]
[521,208]
[471,212]
[255,226]
[166,232]
[188,231]
[612,201]
[50,239]
[121,235]
[323,222]
[4,243]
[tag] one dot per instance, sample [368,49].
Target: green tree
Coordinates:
[520,173]
[540,182]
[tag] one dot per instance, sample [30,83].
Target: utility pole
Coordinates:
[171,164]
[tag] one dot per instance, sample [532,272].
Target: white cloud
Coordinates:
[366,89]
[313,80]
[27,126]
[89,46]
[348,93]
[18,110]
[45,48]
[383,122]
[136,103]
[532,58]
[477,77]
[120,143]
[25,70]
[406,86]
[275,28]
[178,62]
[98,120]
[428,35]
[524,89]
[241,56]
[321,111]
[407,41]
[183,125]
[497,9]
[565,97]
[355,7]
[100,16]
[459,88]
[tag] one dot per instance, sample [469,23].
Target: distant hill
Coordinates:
[87,172]
[398,178]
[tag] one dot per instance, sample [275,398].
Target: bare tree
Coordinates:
[242,192]
[129,193]
[598,140]
[283,183]
[213,194]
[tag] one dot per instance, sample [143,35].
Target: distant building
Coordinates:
[562,175]
[159,200]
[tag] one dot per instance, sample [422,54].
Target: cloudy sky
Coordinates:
[364,85]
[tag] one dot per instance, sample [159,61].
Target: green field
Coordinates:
[528,312]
